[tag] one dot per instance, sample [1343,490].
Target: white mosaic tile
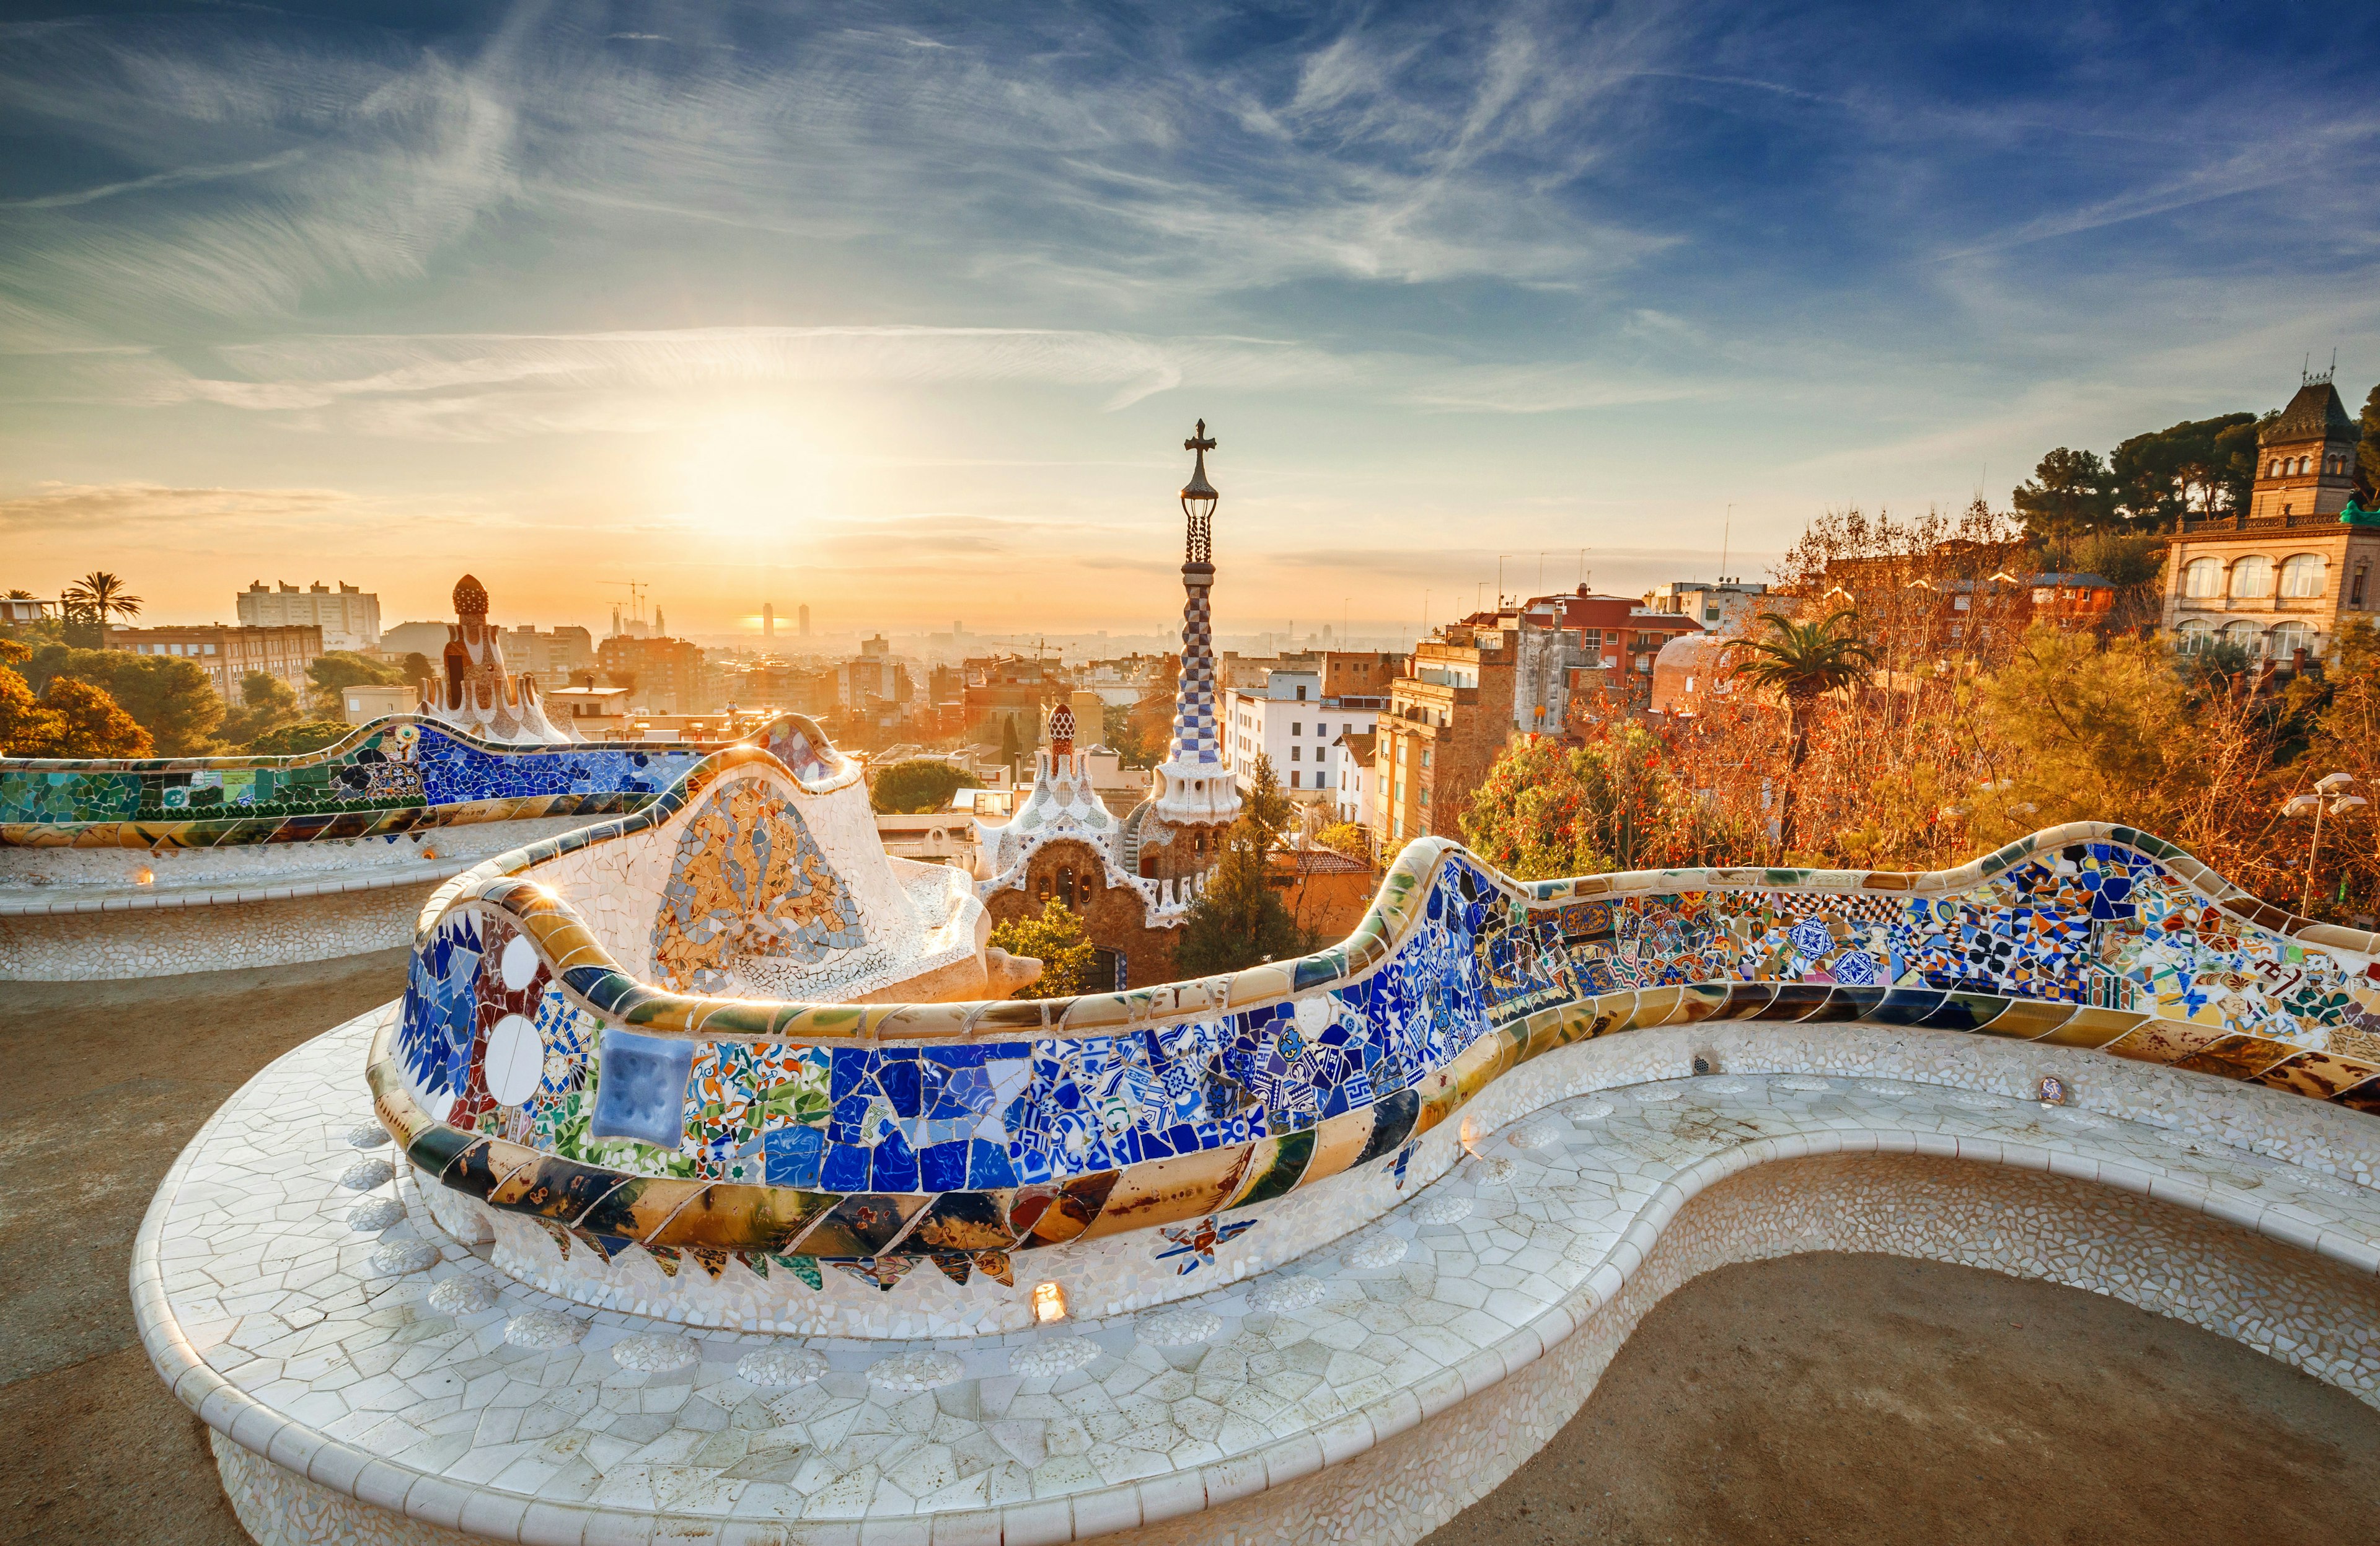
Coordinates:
[258,1299]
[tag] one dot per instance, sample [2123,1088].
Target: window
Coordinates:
[2252,577]
[2355,596]
[211,650]
[1301,694]
[1962,603]
[1710,614]
[2302,575]
[2202,579]
[1294,778]
[1295,728]
[1424,756]
[1297,754]
[2286,639]
[2248,636]
[1322,730]
[2274,471]
[2193,636]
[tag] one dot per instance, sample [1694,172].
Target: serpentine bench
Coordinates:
[675,1245]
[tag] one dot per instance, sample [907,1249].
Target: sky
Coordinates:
[903,312]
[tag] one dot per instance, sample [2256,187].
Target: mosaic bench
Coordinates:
[130,868]
[616,1123]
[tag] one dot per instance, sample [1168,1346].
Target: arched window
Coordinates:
[2203,578]
[2252,577]
[2302,575]
[2302,467]
[2286,639]
[2275,470]
[2193,636]
[2248,636]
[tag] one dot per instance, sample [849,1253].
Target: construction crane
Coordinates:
[636,592]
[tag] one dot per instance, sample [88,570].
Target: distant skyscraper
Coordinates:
[661,629]
[768,620]
[806,619]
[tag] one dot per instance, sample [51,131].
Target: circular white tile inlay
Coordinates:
[1281,1295]
[375,1213]
[463,1296]
[1179,1328]
[544,1328]
[516,1057]
[654,1352]
[779,1367]
[917,1372]
[518,963]
[1588,1111]
[1542,1132]
[399,1257]
[366,1174]
[1650,1093]
[1054,1356]
[1442,1207]
[366,1135]
[1376,1251]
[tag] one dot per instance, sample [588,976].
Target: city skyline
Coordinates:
[903,312]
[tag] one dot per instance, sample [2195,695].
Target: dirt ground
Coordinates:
[107,1081]
[1857,1400]
[1851,1399]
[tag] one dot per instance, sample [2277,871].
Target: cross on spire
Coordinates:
[1199,441]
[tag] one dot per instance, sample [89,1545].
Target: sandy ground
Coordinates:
[1862,1399]
[1849,1399]
[107,1081]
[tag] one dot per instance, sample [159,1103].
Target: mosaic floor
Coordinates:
[293,1290]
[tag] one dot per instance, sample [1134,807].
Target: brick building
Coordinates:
[229,654]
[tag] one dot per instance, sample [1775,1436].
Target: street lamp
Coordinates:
[2329,797]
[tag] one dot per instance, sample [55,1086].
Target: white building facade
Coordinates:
[348,618]
[1293,723]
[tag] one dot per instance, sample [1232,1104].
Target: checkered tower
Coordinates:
[1195,788]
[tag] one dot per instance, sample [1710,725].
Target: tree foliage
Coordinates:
[1240,919]
[2070,491]
[333,672]
[2203,466]
[266,703]
[68,718]
[1346,837]
[307,735]
[170,696]
[2367,449]
[1055,938]
[918,785]
[1547,809]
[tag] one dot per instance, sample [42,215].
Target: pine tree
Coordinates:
[2367,453]
[1239,920]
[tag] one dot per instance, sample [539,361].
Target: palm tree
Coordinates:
[99,595]
[1801,662]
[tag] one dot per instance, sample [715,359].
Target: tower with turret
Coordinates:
[1195,798]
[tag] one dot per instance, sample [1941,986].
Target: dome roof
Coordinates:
[470,598]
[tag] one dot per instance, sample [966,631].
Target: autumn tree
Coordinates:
[1055,938]
[68,718]
[1547,809]
[170,696]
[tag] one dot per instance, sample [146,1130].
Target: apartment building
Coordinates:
[1291,720]
[348,618]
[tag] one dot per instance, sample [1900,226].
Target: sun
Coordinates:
[754,475]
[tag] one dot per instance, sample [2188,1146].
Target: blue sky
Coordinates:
[903,311]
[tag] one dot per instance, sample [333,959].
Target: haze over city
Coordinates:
[903,312]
